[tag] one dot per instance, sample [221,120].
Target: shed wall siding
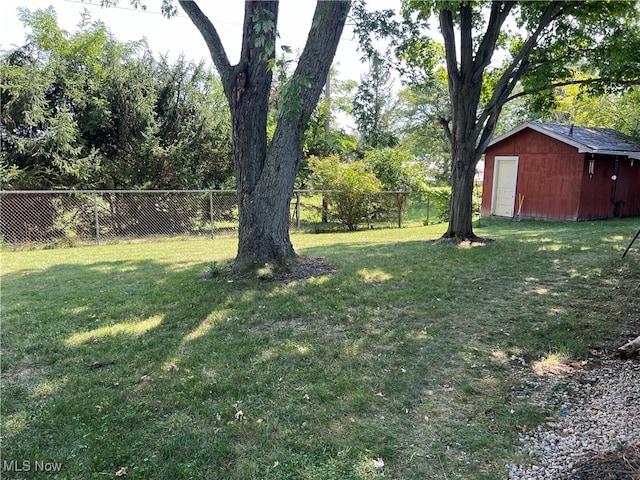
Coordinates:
[549,175]
[597,190]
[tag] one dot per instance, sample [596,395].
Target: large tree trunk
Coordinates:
[462,183]
[265,174]
[263,235]
[465,87]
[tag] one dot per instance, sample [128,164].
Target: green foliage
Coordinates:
[441,197]
[396,169]
[85,111]
[322,136]
[349,185]
[620,110]
[264,26]
[372,107]
[421,108]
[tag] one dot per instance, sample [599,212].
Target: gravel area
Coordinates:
[595,434]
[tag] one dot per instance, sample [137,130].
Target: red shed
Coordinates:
[562,172]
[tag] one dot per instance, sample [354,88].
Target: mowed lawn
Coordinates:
[146,361]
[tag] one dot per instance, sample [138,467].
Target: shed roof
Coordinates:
[603,141]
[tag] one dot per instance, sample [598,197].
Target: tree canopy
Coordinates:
[495,52]
[83,110]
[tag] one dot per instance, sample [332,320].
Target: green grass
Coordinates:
[144,356]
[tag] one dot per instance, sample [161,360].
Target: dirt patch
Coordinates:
[471,241]
[20,375]
[305,268]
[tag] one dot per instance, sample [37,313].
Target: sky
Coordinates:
[178,35]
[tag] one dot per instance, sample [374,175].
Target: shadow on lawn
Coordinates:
[173,374]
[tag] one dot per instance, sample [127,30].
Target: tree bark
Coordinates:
[265,174]
[471,127]
[629,349]
[462,181]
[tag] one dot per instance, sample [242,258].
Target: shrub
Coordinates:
[349,188]
[441,198]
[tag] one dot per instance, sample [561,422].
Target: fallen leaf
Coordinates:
[144,378]
[100,408]
[175,366]
[378,462]
[122,472]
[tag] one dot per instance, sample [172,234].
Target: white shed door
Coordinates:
[504,194]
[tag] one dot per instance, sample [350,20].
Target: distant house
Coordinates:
[562,172]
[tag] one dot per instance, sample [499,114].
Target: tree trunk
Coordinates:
[265,175]
[263,235]
[462,183]
[629,349]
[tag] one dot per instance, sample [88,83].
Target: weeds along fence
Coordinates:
[70,217]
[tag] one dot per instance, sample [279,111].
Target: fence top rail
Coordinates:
[50,192]
[66,192]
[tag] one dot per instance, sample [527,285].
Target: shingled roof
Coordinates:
[602,141]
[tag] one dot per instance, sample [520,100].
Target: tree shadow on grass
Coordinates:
[170,373]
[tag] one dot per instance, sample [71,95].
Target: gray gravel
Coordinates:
[598,411]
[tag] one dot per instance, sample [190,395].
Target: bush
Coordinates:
[441,197]
[349,185]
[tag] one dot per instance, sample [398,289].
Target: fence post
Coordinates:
[97,218]
[298,210]
[428,207]
[211,212]
[399,204]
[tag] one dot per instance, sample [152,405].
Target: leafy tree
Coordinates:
[543,43]
[372,106]
[396,169]
[193,127]
[41,95]
[85,111]
[420,106]
[619,110]
[350,186]
[321,137]
[266,171]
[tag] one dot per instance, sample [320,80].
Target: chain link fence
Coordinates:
[72,217]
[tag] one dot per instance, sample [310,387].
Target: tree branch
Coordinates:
[499,13]
[510,77]
[446,28]
[322,42]
[211,37]
[587,81]
[466,39]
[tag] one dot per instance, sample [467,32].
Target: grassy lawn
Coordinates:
[402,364]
